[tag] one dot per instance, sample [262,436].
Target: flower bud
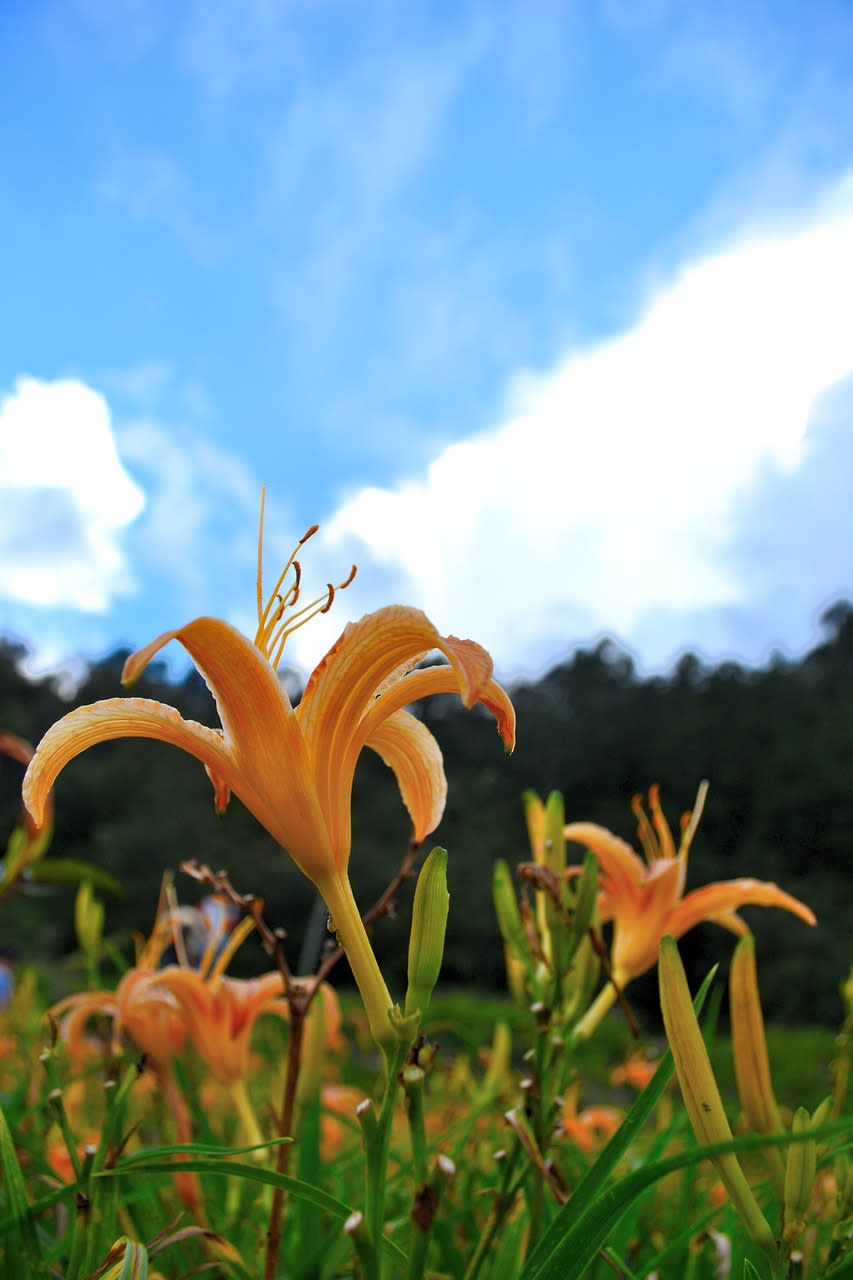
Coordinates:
[752,1064]
[429,922]
[800,1171]
[88,917]
[699,1089]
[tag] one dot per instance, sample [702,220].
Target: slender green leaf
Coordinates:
[844,1270]
[25,1241]
[135,1265]
[74,871]
[573,1242]
[232,1168]
[194,1149]
[590,1186]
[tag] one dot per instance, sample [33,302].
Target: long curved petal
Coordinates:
[409,749]
[726,896]
[429,681]
[118,718]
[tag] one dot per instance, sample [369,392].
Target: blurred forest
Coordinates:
[776,744]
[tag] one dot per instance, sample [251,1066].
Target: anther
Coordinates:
[327,606]
[348,580]
[309,534]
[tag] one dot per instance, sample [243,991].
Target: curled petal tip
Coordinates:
[137,662]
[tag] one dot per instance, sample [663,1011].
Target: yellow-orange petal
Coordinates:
[638,931]
[429,681]
[412,753]
[726,896]
[110,719]
[622,870]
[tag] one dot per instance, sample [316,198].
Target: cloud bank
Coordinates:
[66,499]
[613,492]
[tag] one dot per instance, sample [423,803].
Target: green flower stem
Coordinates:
[79,1231]
[57,1106]
[377,1141]
[503,1202]
[596,1013]
[413,1084]
[348,925]
[104,1191]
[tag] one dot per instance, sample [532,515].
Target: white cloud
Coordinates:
[65,498]
[200,497]
[613,489]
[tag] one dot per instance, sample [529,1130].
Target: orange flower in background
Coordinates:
[220,1013]
[139,1006]
[636,1071]
[142,1005]
[590,1128]
[294,768]
[645,900]
[339,1100]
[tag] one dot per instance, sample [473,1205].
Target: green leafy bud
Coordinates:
[800,1170]
[508,914]
[88,917]
[700,1092]
[429,922]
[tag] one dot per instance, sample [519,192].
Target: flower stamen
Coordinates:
[273,627]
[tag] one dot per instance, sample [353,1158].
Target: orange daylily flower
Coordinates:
[636,1071]
[139,1006]
[645,900]
[294,768]
[591,1127]
[143,1005]
[219,1014]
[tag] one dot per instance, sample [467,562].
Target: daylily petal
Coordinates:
[725,896]
[340,712]
[407,746]
[623,871]
[638,933]
[429,681]
[117,718]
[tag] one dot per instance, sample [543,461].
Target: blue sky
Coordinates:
[544,312]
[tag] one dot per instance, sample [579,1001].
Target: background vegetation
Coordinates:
[775,743]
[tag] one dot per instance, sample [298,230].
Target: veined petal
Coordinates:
[409,749]
[726,896]
[118,718]
[340,712]
[623,871]
[638,933]
[428,681]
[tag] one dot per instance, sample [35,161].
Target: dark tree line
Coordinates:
[776,744]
